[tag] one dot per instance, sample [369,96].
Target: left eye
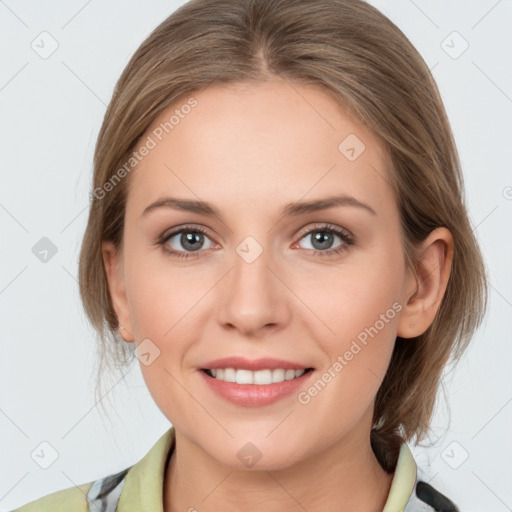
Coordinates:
[323,239]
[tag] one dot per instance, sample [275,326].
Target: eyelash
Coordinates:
[328,228]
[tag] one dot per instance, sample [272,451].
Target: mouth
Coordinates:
[256,388]
[261,377]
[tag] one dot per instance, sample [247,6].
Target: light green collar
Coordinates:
[403,481]
[143,489]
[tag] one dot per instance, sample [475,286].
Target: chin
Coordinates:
[256,455]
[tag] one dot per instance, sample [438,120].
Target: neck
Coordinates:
[345,477]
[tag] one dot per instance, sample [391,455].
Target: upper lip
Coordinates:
[253,364]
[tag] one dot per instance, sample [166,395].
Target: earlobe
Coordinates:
[112,261]
[423,293]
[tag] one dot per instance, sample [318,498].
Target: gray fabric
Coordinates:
[425,498]
[104,494]
[414,504]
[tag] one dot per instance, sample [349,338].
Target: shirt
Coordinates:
[139,488]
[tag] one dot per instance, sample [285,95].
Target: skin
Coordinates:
[249,149]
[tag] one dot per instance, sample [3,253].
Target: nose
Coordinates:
[252,297]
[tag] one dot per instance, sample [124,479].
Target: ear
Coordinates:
[115,276]
[424,293]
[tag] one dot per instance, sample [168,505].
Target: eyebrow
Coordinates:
[289,210]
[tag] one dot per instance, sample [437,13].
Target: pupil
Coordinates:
[321,238]
[187,240]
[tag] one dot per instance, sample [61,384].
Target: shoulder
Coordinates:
[102,495]
[68,500]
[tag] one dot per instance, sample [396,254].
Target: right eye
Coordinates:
[191,239]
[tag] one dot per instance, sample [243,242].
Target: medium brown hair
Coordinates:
[357,55]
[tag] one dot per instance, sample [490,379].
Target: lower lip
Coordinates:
[255,395]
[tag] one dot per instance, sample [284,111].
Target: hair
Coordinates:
[357,55]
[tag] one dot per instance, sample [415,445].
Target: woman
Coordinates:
[278,233]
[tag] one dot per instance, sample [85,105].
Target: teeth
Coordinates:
[257,377]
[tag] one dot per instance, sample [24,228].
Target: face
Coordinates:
[263,279]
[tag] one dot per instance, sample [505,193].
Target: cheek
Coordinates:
[167,308]
[352,297]
[163,297]
[359,308]
[164,313]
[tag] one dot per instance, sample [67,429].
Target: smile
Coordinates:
[259,377]
[255,388]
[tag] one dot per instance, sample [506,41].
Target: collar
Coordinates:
[404,480]
[144,483]
[143,488]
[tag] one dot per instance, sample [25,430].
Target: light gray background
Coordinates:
[51,110]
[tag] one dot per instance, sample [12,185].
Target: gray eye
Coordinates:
[189,240]
[321,238]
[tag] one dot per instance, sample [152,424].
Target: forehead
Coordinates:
[241,144]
